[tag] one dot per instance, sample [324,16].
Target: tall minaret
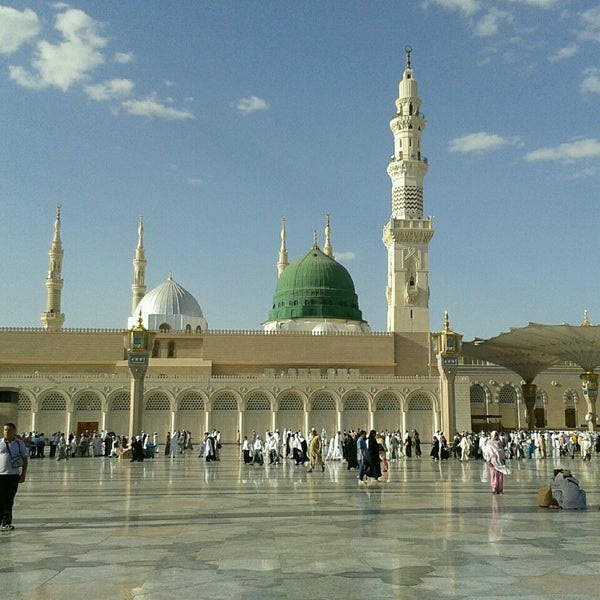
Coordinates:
[407,235]
[138,288]
[53,319]
[282,263]
[328,248]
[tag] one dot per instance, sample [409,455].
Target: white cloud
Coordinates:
[251,104]
[152,108]
[488,24]
[476,143]
[110,90]
[195,181]
[591,81]
[123,58]
[590,20]
[466,7]
[584,173]
[16,28]
[69,62]
[345,256]
[567,153]
[565,52]
[539,3]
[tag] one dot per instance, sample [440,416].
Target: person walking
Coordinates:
[375,459]
[13,468]
[315,453]
[362,456]
[493,453]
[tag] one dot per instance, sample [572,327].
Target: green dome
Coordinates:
[317,287]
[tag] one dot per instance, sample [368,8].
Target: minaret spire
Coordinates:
[327,248]
[138,288]
[283,262]
[53,319]
[407,235]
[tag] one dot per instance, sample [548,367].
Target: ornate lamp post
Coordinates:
[447,346]
[138,342]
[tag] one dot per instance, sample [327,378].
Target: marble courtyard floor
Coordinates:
[183,529]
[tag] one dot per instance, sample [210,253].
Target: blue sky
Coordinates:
[216,119]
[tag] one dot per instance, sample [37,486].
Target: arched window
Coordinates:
[356,401]
[387,401]
[225,401]
[291,401]
[158,401]
[258,401]
[53,401]
[191,401]
[24,401]
[419,402]
[156,349]
[120,401]
[171,350]
[507,395]
[323,401]
[477,394]
[88,401]
[164,328]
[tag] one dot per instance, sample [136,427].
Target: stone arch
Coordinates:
[323,411]
[225,413]
[570,404]
[479,394]
[258,400]
[157,401]
[157,411]
[323,400]
[388,411]
[191,412]
[117,417]
[258,412]
[87,401]
[25,401]
[355,410]
[291,406]
[25,411]
[191,400]
[420,414]
[52,414]
[508,399]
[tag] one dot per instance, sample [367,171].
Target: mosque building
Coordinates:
[315,363]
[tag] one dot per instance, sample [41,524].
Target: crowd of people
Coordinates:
[89,444]
[369,453]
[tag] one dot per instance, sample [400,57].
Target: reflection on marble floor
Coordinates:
[181,528]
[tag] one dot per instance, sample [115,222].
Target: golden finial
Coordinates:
[446,321]
[408,50]
[586,321]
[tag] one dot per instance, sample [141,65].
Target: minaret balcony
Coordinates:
[414,157]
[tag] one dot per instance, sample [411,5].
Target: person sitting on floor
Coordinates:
[566,492]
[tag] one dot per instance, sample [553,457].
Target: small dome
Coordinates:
[315,286]
[169,298]
[169,306]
